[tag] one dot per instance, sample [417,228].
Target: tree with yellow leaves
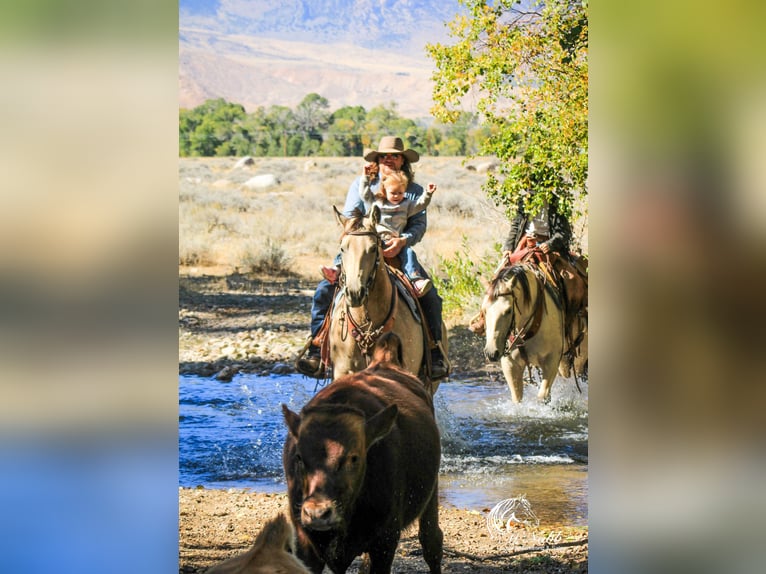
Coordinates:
[524,66]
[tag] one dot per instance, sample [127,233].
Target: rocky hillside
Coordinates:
[400,25]
[258,53]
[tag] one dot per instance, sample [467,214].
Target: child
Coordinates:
[395,210]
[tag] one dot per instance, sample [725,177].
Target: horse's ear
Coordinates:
[339,216]
[374,215]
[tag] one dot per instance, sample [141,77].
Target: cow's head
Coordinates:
[329,460]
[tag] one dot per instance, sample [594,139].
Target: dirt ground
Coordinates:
[218,524]
[237,323]
[242,323]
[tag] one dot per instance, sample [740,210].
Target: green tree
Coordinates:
[450,146]
[344,134]
[384,120]
[188,120]
[280,122]
[221,128]
[311,118]
[433,137]
[213,128]
[203,141]
[258,133]
[526,65]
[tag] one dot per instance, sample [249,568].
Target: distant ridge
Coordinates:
[366,52]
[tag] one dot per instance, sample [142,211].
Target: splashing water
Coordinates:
[231,435]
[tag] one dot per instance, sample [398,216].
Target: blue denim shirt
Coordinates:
[416,225]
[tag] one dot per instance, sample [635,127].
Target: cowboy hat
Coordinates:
[391,144]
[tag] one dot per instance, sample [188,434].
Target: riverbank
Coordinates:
[217,524]
[239,323]
[244,323]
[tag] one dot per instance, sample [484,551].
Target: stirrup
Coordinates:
[445,360]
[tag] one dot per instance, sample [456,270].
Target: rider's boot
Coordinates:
[330,273]
[477,325]
[421,285]
[311,363]
[439,367]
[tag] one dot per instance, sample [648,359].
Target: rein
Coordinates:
[532,325]
[367,336]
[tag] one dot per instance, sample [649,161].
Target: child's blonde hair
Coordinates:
[395,177]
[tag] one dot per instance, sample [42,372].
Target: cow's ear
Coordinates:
[340,217]
[380,424]
[292,419]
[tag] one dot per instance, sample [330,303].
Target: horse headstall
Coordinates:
[371,278]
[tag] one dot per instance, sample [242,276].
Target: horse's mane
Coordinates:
[497,286]
[355,221]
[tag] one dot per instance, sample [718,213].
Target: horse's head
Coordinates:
[360,251]
[507,297]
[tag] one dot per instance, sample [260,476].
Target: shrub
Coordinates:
[272,260]
[194,253]
[459,284]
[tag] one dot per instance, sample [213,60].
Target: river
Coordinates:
[231,436]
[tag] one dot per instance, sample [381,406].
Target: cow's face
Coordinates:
[329,460]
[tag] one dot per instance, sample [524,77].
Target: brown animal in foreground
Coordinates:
[362,461]
[273,552]
[388,349]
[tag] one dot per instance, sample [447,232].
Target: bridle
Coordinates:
[365,333]
[371,279]
[517,337]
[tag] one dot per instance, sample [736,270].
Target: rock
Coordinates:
[244,162]
[226,374]
[486,167]
[263,181]
[281,369]
[228,350]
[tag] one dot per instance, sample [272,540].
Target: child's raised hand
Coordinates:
[371,169]
[431,188]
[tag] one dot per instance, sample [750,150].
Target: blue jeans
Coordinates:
[320,304]
[410,264]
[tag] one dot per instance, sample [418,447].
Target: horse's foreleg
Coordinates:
[549,371]
[514,376]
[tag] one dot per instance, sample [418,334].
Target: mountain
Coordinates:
[352,52]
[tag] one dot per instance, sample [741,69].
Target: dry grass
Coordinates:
[224,226]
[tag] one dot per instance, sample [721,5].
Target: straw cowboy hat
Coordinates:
[391,144]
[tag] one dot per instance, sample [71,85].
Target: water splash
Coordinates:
[232,434]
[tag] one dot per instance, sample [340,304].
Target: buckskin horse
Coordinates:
[524,326]
[370,304]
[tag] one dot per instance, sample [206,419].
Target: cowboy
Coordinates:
[547,231]
[390,158]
